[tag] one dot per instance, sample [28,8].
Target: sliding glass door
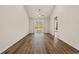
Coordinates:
[38,26]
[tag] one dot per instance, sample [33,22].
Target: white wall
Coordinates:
[14,25]
[47,25]
[31,25]
[68,18]
[52,25]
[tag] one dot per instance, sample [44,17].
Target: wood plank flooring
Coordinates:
[40,44]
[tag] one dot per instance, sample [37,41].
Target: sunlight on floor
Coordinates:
[38,43]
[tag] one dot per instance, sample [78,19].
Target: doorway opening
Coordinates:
[38,26]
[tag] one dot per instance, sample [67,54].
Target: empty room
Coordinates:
[39,29]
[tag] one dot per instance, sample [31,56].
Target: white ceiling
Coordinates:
[39,11]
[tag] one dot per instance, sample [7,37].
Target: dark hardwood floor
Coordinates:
[40,44]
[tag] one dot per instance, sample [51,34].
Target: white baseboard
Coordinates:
[13,43]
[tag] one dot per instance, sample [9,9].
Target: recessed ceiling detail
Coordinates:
[39,11]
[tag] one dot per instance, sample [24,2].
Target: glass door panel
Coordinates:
[38,25]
